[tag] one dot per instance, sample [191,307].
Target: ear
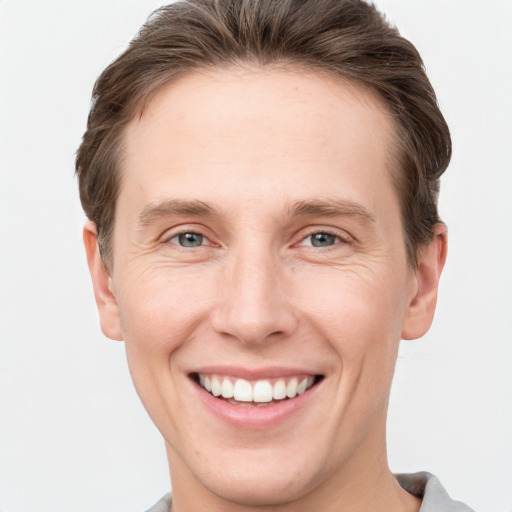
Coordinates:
[102,284]
[422,306]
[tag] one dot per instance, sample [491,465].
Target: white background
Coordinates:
[73,436]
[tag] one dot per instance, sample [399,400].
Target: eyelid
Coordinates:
[176,231]
[202,244]
[300,235]
[341,234]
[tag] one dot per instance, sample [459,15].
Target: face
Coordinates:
[260,280]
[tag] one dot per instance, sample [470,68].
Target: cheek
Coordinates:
[159,310]
[161,313]
[358,311]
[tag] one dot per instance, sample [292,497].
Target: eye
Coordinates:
[189,239]
[321,239]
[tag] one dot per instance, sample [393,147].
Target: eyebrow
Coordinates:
[153,212]
[194,207]
[330,208]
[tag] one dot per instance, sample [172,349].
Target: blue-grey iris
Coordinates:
[190,239]
[322,240]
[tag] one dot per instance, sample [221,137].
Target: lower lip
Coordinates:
[253,417]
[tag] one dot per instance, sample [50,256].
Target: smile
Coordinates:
[262,392]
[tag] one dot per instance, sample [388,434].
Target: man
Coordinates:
[261,180]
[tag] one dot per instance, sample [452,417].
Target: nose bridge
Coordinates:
[253,304]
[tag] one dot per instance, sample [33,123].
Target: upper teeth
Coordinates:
[255,391]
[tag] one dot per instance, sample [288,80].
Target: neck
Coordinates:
[363,483]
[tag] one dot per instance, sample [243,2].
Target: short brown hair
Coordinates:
[347,38]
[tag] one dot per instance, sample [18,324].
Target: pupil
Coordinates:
[322,239]
[190,239]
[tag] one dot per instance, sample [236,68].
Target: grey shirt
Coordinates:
[433,494]
[423,485]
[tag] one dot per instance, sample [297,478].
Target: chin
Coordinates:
[264,476]
[256,489]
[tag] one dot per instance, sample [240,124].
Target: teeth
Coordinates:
[279,391]
[260,392]
[243,404]
[302,386]
[227,389]
[243,391]
[216,386]
[291,388]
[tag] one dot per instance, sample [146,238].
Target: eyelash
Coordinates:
[169,239]
[339,239]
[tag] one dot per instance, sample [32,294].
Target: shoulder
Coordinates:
[424,485]
[434,496]
[163,505]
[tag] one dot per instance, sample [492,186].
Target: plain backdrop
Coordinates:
[73,436]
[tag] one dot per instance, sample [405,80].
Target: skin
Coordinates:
[255,144]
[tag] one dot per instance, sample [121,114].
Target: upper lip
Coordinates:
[253,373]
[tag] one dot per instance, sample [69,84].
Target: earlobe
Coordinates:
[422,306]
[102,284]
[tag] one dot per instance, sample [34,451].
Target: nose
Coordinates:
[253,304]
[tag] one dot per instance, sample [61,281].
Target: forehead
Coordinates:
[249,131]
